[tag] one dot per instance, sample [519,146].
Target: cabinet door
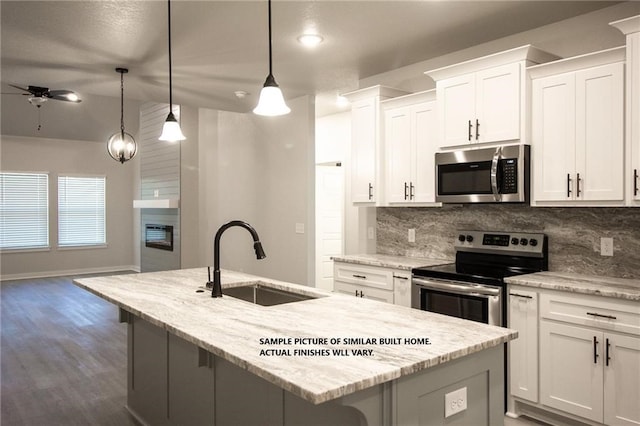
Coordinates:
[523,352]
[498,104]
[553,137]
[425,144]
[599,133]
[397,125]
[402,288]
[571,369]
[621,380]
[363,151]
[456,109]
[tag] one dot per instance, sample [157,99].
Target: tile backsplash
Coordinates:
[574,233]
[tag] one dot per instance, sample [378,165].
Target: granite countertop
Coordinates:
[389,261]
[231,328]
[621,288]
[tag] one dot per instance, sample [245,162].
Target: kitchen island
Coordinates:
[329,359]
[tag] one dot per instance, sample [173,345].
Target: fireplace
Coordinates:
[158,236]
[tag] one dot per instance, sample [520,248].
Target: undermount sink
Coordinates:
[261,294]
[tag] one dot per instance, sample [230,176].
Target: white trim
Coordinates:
[69,272]
[81,247]
[25,250]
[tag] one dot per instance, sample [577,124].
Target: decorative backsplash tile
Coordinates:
[574,233]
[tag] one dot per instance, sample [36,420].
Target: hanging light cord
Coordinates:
[122,103]
[170,86]
[270,53]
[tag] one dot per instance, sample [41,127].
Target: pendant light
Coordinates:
[171,130]
[271,101]
[122,146]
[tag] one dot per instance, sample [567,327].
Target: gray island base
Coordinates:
[195,360]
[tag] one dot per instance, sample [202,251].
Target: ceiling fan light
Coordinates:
[171,131]
[72,97]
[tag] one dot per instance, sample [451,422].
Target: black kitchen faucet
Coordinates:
[257,246]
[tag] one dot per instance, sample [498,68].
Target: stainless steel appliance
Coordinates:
[486,175]
[473,287]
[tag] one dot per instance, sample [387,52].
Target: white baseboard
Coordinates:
[69,272]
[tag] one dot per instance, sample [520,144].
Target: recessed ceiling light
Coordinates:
[310,40]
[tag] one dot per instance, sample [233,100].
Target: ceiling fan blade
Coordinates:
[18,87]
[63,95]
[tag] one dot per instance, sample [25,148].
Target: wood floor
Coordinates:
[63,356]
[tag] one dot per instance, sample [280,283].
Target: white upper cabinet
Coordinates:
[577,130]
[366,167]
[410,141]
[483,100]
[631,28]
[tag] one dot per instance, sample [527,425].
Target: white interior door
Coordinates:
[329,213]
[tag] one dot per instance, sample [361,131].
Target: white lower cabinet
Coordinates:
[373,282]
[576,356]
[523,352]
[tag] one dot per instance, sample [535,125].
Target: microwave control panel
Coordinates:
[509,182]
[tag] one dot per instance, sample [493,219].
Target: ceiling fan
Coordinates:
[39,95]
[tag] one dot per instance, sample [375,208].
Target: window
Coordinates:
[24,210]
[81,211]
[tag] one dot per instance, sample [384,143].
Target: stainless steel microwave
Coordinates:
[483,175]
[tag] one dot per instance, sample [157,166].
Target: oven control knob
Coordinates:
[515,241]
[533,242]
[469,238]
[524,241]
[461,238]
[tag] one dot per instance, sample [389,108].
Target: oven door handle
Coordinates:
[458,287]
[494,173]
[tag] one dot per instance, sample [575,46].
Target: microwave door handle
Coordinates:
[494,173]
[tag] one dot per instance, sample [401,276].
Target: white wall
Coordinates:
[260,170]
[81,157]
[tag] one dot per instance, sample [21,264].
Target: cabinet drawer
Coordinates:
[605,313]
[368,276]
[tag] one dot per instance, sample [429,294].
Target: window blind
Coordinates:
[81,211]
[24,210]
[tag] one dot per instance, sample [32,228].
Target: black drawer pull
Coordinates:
[359,276]
[470,127]
[595,350]
[595,314]
[608,358]
[568,185]
[402,278]
[521,295]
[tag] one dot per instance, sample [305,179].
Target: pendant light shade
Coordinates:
[271,100]
[121,145]
[171,130]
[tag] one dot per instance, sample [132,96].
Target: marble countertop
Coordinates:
[621,288]
[232,329]
[389,261]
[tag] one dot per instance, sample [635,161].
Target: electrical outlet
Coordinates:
[606,246]
[299,228]
[411,236]
[370,233]
[455,402]
[156,193]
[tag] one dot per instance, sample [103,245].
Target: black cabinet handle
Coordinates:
[411,188]
[359,276]
[578,185]
[595,314]
[357,295]
[399,277]
[635,181]
[568,185]
[477,129]
[595,350]
[370,191]
[521,295]
[470,127]
[406,188]
[608,358]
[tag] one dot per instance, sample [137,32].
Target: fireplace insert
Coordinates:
[159,236]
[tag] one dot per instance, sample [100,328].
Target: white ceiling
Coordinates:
[220,47]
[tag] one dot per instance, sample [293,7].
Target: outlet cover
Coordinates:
[455,402]
[299,228]
[606,246]
[411,237]
[370,233]
[156,193]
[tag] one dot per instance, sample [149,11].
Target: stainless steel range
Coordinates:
[473,287]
